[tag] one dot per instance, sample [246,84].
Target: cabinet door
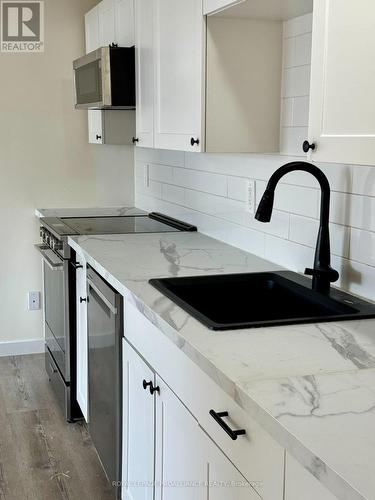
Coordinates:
[82,340]
[144,11]
[342,106]
[107,27]
[179,49]
[301,484]
[124,23]
[95,121]
[225,481]
[92,30]
[181,467]
[138,427]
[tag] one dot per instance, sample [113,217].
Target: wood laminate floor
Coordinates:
[41,456]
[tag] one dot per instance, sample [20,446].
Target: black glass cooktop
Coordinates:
[116,225]
[152,223]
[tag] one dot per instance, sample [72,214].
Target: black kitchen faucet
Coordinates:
[322,273]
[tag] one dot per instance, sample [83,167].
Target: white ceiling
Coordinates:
[278,10]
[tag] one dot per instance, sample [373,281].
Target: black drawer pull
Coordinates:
[194,141]
[218,417]
[151,386]
[82,299]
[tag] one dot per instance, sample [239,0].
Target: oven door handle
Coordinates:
[110,306]
[53,265]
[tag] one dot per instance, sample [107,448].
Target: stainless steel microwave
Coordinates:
[105,79]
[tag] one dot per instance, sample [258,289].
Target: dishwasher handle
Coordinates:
[104,299]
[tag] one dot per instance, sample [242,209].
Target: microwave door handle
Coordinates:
[54,266]
[102,296]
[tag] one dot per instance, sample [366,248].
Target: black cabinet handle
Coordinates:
[135,139]
[154,389]
[146,384]
[151,386]
[218,417]
[77,265]
[98,137]
[306,146]
[82,299]
[194,141]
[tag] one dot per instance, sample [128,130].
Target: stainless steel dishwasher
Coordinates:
[105,326]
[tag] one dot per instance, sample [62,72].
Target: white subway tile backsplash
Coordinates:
[302,50]
[172,158]
[202,181]
[296,81]
[173,194]
[298,26]
[161,173]
[238,188]
[304,231]
[291,140]
[292,199]
[362,246]
[289,50]
[300,112]
[362,212]
[287,112]
[288,254]
[364,180]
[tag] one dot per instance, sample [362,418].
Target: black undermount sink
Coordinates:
[233,301]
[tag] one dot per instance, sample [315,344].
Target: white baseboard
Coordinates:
[21,347]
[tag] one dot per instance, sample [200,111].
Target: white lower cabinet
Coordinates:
[300,484]
[258,457]
[166,453]
[138,427]
[82,336]
[181,471]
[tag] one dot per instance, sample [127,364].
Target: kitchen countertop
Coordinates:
[312,387]
[88,212]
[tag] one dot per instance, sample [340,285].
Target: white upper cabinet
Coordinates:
[107,25]
[124,23]
[111,21]
[342,105]
[92,30]
[144,73]
[179,48]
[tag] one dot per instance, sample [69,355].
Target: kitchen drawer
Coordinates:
[256,454]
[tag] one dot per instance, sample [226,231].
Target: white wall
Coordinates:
[210,190]
[114,174]
[45,158]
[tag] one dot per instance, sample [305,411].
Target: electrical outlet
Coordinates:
[250,196]
[33,301]
[146,176]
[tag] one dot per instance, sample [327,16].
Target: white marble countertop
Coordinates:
[88,212]
[311,386]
